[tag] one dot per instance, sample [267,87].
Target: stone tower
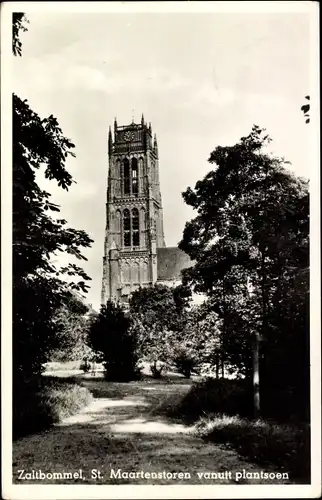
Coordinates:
[134,218]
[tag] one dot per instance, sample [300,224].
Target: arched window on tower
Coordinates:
[117,177]
[126,228]
[141,177]
[135,228]
[134,176]
[126,176]
[117,228]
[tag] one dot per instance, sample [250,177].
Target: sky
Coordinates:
[201,79]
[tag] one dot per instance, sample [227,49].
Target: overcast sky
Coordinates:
[202,80]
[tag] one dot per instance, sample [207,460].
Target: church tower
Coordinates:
[134,217]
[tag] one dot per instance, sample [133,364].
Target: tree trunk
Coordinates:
[262,334]
[222,368]
[156,372]
[217,366]
[256,391]
[222,362]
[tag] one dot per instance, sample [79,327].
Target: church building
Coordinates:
[135,253]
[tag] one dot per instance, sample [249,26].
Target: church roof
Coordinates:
[171,261]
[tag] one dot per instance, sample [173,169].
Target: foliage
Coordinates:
[43,401]
[112,336]
[185,359]
[286,447]
[155,316]
[85,365]
[157,303]
[172,332]
[71,326]
[182,297]
[40,287]
[250,243]
[197,342]
[306,109]
[18,24]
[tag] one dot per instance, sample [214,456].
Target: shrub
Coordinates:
[157,368]
[85,366]
[184,361]
[284,446]
[41,402]
[216,396]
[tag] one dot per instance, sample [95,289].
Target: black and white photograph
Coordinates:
[161,310]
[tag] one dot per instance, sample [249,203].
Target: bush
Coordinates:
[184,362]
[157,369]
[85,366]
[284,446]
[216,396]
[43,401]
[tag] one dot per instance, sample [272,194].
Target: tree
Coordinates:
[40,286]
[19,22]
[250,237]
[155,314]
[112,336]
[182,297]
[72,328]
[198,341]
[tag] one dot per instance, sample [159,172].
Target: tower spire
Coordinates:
[142,119]
[110,140]
[115,124]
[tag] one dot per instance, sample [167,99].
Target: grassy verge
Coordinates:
[222,412]
[285,447]
[41,402]
[215,396]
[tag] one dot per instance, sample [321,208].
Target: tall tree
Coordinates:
[72,328]
[197,342]
[156,313]
[40,286]
[112,336]
[251,231]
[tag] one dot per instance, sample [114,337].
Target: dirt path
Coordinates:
[123,431]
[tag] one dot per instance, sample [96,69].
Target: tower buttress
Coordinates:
[155,145]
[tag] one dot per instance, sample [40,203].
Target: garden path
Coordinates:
[125,427]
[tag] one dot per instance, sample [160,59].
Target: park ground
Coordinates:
[126,427]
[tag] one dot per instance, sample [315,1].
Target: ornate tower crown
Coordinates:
[135,137]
